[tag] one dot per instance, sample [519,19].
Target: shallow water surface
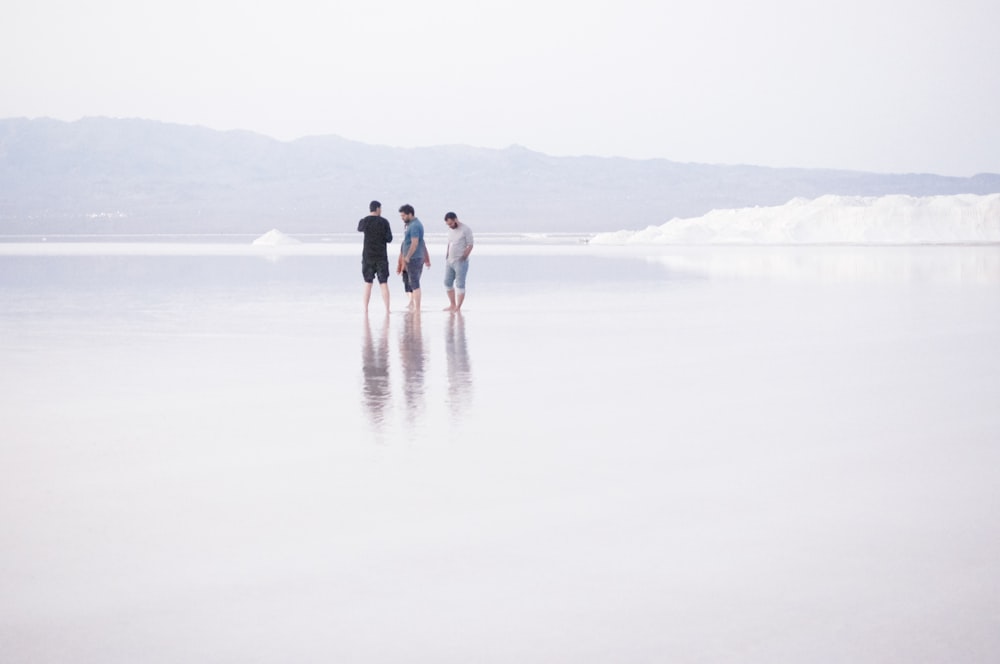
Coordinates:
[756,454]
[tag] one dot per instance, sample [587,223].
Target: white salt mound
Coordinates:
[275,237]
[898,219]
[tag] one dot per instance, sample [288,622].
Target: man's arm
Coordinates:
[469,245]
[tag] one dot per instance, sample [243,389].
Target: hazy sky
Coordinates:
[879,85]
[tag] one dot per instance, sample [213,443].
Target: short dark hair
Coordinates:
[451,215]
[374,205]
[407,209]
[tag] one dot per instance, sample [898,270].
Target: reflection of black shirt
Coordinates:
[378,234]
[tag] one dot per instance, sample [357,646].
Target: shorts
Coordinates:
[372,266]
[454,275]
[414,268]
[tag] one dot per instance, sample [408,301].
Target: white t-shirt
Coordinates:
[459,239]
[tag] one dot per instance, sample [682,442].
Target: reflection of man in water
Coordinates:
[459,369]
[375,368]
[411,355]
[375,255]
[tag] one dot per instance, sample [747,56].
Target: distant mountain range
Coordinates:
[100,175]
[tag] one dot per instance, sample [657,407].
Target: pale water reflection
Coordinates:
[413,360]
[459,364]
[401,370]
[838,264]
[377,386]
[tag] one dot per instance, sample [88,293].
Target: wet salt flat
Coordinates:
[699,454]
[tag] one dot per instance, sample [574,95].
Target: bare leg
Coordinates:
[416,299]
[385,295]
[460,300]
[451,300]
[366,295]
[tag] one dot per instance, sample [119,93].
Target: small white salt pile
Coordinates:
[273,238]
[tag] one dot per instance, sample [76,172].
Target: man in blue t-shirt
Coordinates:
[411,257]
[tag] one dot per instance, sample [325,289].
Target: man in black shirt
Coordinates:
[374,256]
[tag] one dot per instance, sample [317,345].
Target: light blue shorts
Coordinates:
[454,275]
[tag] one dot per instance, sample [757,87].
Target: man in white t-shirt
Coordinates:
[456,261]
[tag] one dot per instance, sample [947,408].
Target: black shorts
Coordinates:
[375,266]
